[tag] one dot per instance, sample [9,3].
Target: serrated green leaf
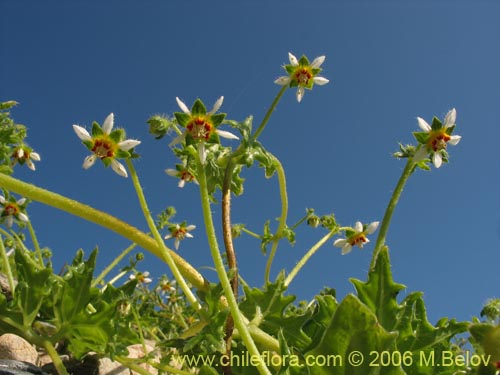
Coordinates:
[353,327]
[380,291]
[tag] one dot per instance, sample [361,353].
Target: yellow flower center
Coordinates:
[200,128]
[104,148]
[437,140]
[303,75]
[358,240]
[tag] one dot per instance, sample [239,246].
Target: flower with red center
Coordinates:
[356,236]
[25,155]
[435,138]
[201,127]
[106,144]
[11,209]
[183,174]
[302,74]
[179,232]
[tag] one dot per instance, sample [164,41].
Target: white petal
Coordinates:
[128,144]
[320,81]
[89,161]
[437,160]
[293,59]
[346,249]
[420,155]
[318,61]
[300,93]
[451,118]
[168,236]
[107,126]
[82,133]
[372,227]
[423,124]
[20,153]
[216,107]
[225,134]
[2,199]
[21,201]
[454,139]
[358,227]
[177,140]
[182,106]
[172,172]
[202,152]
[340,242]
[188,235]
[181,183]
[190,227]
[119,168]
[35,156]
[22,217]
[177,243]
[283,80]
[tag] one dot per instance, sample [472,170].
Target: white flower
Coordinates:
[356,236]
[182,174]
[11,210]
[24,154]
[105,146]
[141,277]
[435,140]
[179,232]
[302,74]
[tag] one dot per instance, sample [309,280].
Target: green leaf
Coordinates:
[421,137]
[380,291]
[352,328]
[182,118]
[96,130]
[198,108]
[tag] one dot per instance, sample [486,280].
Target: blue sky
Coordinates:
[388,62]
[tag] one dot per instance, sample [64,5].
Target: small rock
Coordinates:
[13,367]
[17,348]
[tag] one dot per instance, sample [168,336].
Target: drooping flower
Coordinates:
[179,232]
[302,74]
[106,144]
[435,138]
[141,277]
[356,236]
[201,127]
[11,209]
[182,173]
[25,155]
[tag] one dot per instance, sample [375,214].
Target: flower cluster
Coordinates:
[106,144]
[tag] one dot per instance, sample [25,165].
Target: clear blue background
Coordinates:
[72,62]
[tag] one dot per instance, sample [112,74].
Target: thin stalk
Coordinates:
[113,264]
[221,272]
[308,255]
[230,252]
[159,240]
[384,227]
[269,112]
[282,220]
[103,219]
[6,267]
[36,244]
[58,363]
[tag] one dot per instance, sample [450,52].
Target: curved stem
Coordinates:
[384,227]
[269,112]
[58,363]
[308,255]
[103,219]
[6,267]
[36,244]
[113,264]
[159,240]
[221,272]
[282,220]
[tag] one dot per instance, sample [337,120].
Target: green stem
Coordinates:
[221,272]
[6,267]
[159,240]
[271,109]
[58,363]
[113,264]
[36,244]
[282,220]
[308,255]
[384,227]
[103,219]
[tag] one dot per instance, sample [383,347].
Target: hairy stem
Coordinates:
[103,219]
